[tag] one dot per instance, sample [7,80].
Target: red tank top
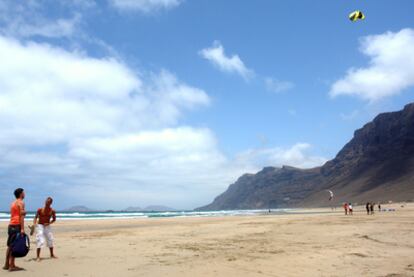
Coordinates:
[15,213]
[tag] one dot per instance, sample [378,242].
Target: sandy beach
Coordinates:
[316,243]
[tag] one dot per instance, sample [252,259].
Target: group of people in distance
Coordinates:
[41,224]
[370,207]
[348,209]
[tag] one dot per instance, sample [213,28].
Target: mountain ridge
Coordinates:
[375,165]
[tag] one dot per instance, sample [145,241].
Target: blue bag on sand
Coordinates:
[20,246]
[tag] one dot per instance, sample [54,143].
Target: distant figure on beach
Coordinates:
[346,208]
[16,226]
[379,207]
[371,208]
[350,208]
[367,207]
[44,218]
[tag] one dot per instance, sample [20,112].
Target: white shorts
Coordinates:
[44,234]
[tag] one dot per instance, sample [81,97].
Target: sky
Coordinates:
[118,103]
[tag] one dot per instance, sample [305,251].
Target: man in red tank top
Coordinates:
[16,226]
[44,218]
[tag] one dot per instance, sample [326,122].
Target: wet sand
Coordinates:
[316,243]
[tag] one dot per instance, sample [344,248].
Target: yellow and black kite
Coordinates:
[356,15]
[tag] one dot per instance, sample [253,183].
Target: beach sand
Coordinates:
[319,243]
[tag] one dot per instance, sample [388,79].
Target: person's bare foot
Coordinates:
[15,268]
[53,257]
[6,267]
[38,259]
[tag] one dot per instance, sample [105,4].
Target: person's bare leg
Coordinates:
[52,255]
[6,263]
[12,265]
[38,254]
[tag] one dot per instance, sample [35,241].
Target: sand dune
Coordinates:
[314,244]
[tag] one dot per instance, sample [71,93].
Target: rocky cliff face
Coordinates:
[376,165]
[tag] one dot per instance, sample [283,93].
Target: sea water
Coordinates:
[4,216]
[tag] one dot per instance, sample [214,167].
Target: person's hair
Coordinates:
[18,192]
[49,198]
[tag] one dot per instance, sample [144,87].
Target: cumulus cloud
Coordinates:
[230,64]
[277,86]
[28,18]
[390,69]
[297,155]
[145,6]
[72,115]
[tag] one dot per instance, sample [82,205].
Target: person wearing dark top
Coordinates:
[372,208]
[367,206]
[379,207]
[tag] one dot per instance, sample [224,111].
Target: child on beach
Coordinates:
[350,208]
[45,216]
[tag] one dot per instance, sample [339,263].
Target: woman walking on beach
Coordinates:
[16,226]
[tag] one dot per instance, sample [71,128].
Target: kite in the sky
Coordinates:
[331,195]
[356,15]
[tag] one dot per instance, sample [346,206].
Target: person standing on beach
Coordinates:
[16,226]
[350,208]
[379,207]
[44,218]
[346,208]
[367,207]
[371,208]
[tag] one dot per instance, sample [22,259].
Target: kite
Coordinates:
[356,15]
[331,195]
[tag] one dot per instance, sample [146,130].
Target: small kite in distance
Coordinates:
[356,15]
[331,195]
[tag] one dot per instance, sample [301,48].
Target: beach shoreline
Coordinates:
[307,242]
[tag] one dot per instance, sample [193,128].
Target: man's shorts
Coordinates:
[12,231]
[44,236]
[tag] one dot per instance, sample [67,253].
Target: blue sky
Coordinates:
[169,101]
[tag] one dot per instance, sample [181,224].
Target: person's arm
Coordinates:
[53,216]
[35,218]
[22,212]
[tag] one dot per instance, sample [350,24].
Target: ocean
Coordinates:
[4,216]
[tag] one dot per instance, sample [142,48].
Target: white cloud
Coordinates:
[29,19]
[145,6]
[218,58]
[390,69]
[67,95]
[277,86]
[297,156]
[61,27]
[94,122]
